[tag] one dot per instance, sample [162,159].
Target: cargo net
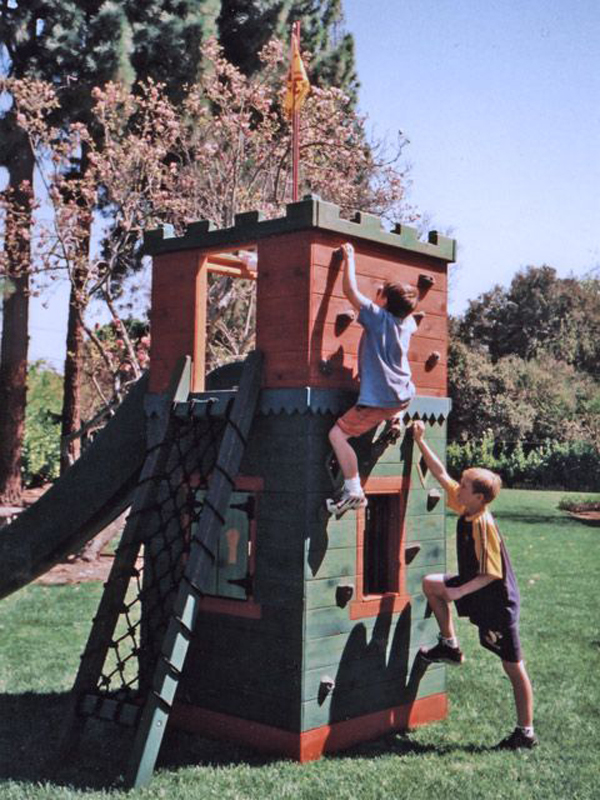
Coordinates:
[155,558]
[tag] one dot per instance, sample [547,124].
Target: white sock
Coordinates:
[527,729]
[352,485]
[452,641]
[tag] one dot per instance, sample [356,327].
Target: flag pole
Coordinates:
[295,128]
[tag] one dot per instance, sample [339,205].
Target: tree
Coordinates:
[76,44]
[223,149]
[167,39]
[245,26]
[539,314]
[51,40]
[14,269]
[513,400]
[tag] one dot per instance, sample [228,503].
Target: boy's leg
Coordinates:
[344,452]
[522,691]
[523,736]
[352,495]
[447,649]
[434,589]
[356,421]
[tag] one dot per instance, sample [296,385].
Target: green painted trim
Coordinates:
[308,399]
[311,212]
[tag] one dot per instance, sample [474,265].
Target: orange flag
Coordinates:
[298,85]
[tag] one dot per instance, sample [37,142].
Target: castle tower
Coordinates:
[307,640]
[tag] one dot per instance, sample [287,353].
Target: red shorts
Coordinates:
[360,419]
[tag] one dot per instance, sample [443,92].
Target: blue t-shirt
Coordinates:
[384,371]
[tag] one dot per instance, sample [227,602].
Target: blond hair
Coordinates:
[484,482]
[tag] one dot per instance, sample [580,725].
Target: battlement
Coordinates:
[303,319]
[310,212]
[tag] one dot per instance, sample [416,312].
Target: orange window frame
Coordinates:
[397,598]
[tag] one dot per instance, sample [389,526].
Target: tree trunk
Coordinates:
[15,324]
[71,411]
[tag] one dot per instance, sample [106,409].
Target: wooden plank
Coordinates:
[343,705]
[371,668]
[324,308]
[327,651]
[417,502]
[336,563]
[244,661]
[331,534]
[331,621]
[277,591]
[325,339]
[327,283]
[423,527]
[281,713]
[370,255]
[433,551]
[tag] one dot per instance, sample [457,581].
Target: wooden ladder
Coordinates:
[152,721]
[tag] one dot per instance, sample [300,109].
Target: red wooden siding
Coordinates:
[300,297]
[178,316]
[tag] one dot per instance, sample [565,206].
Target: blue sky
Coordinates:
[501,102]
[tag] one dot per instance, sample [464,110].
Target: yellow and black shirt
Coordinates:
[480,550]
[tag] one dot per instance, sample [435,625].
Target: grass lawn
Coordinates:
[43,630]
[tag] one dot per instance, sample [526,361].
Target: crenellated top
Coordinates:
[310,212]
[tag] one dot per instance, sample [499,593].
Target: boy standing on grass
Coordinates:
[485,589]
[386,387]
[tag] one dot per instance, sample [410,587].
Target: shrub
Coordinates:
[571,465]
[41,445]
[578,503]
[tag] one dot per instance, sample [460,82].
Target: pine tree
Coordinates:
[332,48]
[246,25]
[167,39]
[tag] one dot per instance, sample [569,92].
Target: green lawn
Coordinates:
[43,629]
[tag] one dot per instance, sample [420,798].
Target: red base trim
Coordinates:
[310,745]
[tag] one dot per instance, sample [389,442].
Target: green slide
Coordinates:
[88,497]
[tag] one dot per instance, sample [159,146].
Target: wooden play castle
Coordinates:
[287,630]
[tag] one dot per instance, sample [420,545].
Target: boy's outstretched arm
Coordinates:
[349,285]
[435,466]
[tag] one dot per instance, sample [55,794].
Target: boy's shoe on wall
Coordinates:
[442,652]
[517,740]
[344,502]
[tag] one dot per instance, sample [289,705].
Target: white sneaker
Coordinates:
[345,502]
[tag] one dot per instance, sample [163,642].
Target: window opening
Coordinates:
[380,557]
[381,544]
[376,578]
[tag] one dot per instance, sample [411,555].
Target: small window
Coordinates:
[378,553]
[380,563]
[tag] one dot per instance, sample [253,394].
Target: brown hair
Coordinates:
[400,298]
[484,482]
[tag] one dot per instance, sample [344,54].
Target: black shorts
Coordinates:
[500,638]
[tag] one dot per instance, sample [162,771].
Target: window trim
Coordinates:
[363,605]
